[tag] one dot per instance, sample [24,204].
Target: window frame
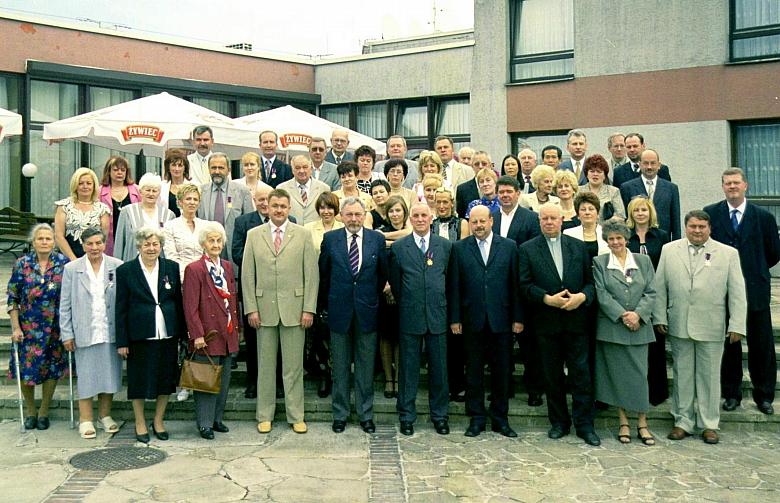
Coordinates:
[747,33]
[758,200]
[532,58]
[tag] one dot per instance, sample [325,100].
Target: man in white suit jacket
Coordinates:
[454,171]
[700,301]
[303,186]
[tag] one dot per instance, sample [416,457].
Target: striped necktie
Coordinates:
[354,255]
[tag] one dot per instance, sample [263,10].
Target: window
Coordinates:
[102,97]
[542,40]
[757,152]
[338,114]
[754,29]
[537,141]
[452,117]
[371,120]
[411,119]
[220,106]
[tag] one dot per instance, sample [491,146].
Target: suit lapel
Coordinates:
[474,247]
[84,275]
[544,252]
[288,235]
[265,233]
[141,278]
[685,256]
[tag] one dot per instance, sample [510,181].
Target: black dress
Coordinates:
[116,208]
[657,380]
[378,222]
[387,317]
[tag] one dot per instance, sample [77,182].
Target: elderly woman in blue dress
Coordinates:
[33,306]
[146,213]
[625,288]
[87,327]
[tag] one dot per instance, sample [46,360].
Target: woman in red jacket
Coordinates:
[210,309]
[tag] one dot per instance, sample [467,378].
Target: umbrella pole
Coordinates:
[70,386]
[22,429]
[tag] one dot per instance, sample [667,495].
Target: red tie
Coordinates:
[278,240]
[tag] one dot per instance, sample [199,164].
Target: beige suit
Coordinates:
[699,298]
[280,287]
[460,173]
[304,213]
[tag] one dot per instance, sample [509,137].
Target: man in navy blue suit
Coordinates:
[664,194]
[753,232]
[353,274]
[484,306]
[556,280]
[273,171]
[634,145]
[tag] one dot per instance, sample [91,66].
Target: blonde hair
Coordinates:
[74,184]
[637,201]
[486,172]
[541,172]
[564,175]
[251,155]
[432,179]
[427,156]
[187,188]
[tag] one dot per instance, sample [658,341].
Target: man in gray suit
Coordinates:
[418,278]
[339,141]
[304,191]
[396,149]
[700,298]
[323,170]
[222,201]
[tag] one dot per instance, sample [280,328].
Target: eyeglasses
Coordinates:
[317,149]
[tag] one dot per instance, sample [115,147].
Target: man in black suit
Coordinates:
[273,171]
[664,194]
[635,145]
[520,225]
[556,281]
[339,141]
[753,232]
[468,191]
[484,306]
[418,278]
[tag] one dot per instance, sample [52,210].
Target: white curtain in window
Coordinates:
[219,106]
[252,108]
[412,120]
[543,26]
[452,117]
[50,101]
[752,13]
[372,120]
[758,154]
[339,115]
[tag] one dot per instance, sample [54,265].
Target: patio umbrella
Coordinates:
[296,128]
[10,123]
[152,124]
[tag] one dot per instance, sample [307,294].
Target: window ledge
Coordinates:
[771,59]
[539,81]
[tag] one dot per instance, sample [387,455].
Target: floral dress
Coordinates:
[77,221]
[36,294]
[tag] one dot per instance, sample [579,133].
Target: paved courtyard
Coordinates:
[386,467]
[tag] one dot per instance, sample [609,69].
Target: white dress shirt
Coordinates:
[181,243]
[359,244]
[151,279]
[740,210]
[506,220]
[97,290]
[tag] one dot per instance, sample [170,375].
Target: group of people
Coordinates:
[335,261]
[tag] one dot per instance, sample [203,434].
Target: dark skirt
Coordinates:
[152,368]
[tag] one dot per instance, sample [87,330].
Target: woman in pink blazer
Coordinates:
[212,320]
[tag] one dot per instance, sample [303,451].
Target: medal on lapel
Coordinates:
[166,283]
[110,280]
[707,257]
[230,203]
[629,273]
[429,257]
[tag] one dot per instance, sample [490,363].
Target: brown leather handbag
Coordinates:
[205,377]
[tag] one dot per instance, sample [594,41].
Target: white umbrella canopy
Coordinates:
[296,128]
[152,124]
[10,123]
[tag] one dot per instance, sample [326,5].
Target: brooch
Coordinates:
[166,283]
[707,257]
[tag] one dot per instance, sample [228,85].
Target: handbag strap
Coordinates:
[205,353]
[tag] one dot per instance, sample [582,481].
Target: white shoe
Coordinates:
[183,395]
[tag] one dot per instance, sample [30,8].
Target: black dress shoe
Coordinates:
[161,435]
[730,404]
[142,437]
[590,438]
[368,426]
[406,428]
[474,429]
[279,392]
[220,427]
[504,429]
[30,422]
[324,390]
[765,407]
[250,392]
[458,397]
[557,432]
[534,399]
[42,423]
[206,433]
[233,365]
[441,426]
[338,426]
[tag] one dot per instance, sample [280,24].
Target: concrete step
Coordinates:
[746,417]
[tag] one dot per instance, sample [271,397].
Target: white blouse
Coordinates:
[97,289]
[181,243]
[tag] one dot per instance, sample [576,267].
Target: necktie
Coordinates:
[304,197]
[577,171]
[354,255]
[734,221]
[422,245]
[650,189]
[267,169]
[219,208]
[483,250]
[338,160]
[444,172]
[278,240]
